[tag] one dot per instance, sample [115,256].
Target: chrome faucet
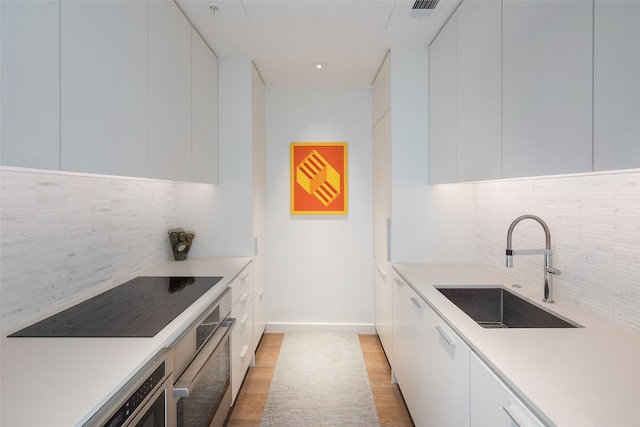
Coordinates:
[549,271]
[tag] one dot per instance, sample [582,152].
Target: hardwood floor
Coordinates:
[249,405]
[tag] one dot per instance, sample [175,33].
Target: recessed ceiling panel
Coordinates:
[325,15]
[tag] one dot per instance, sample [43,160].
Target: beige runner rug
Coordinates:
[320,379]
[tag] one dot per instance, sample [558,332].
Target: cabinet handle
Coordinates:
[381,271]
[417,304]
[261,292]
[515,416]
[398,281]
[446,337]
[180,392]
[244,351]
[244,297]
[244,319]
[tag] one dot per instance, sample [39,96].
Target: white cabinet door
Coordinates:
[616,127]
[204,120]
[383,308]
[547,87]
[492,404]
[259,314]
[431,362]
[169,92]
[259,207]
[405,346]
[448,380]
[381,91]
[104,84]
[442,106]
[382,190]
[30,84]
[479,86]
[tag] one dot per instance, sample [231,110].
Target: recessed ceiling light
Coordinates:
[319,65]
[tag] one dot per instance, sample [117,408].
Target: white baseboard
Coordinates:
[321,327]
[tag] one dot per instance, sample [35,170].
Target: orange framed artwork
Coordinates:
[319,178]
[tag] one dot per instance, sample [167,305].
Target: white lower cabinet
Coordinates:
[383,308]
[492,404]
[431,362]
[259,313]
[242,347]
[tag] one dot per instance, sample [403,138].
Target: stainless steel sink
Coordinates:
[499,308]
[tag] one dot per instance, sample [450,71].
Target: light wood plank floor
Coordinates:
[249,405]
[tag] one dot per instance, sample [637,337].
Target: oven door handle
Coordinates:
[195,369]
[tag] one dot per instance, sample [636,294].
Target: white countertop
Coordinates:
[63,381]
[580,377]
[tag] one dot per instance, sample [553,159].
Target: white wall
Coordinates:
[595,236]
[429,223]
[319,269]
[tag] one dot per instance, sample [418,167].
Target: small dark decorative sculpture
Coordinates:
[180,242]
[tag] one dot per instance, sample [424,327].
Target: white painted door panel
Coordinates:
[442,106]
[431,362]
[169,92]
[616,124]
[383,308]
[30,84]
[492,403]
[479,87]
[204,119]
[547,87]
[104,87]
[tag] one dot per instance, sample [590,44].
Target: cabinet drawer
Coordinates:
[245,297]
[493,404]
[240,283]
[259,314]
[242,334]
[241,350]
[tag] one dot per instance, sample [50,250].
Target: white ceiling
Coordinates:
[284,37]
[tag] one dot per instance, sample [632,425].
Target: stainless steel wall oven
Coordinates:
[145,401]
[202,366]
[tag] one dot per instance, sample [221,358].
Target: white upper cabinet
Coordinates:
[30,84]
[169,92]
[104,87]
[204,119]
[547,87]
[442,106]
[479,61]
[382,163]
[382,189]
[616,127]
[381,91]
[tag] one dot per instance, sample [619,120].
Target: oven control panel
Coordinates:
[138,397]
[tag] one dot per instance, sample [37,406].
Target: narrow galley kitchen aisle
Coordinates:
[319,378]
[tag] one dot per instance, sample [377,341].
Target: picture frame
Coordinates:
[319,178]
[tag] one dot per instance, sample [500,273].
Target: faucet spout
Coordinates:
[549,271]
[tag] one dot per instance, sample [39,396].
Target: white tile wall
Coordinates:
[595,237]
[67,235]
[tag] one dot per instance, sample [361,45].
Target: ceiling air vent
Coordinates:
[424,5]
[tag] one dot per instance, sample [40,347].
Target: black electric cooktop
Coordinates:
[141,307]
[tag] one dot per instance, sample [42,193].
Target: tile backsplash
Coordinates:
[595,237]
[68,235]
